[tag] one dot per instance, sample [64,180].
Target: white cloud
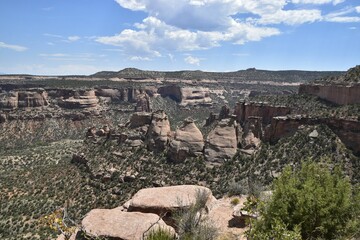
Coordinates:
[153,37]
[138,58]
[73,38]
[291,17]
[16,48]
[318,2]
[342,16]
[53,55]
[192,60]
[357,9]
[189,25]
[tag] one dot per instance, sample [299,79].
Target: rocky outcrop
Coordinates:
[245,110]
[347,130]
[142,103]
[221,143]
[186,95]
[252,133]
[338,94]
[188,141]
[117,224]
[159,131]
[81,99]
[9,100]
[140,119]
[165,201]
[22,99]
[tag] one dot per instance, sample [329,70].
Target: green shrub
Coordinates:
[235,201]
[313,203]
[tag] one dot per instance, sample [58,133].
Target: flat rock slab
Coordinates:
[116,224]
[167,199]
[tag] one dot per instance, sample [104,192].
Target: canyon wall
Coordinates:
[245,110]
[347,130]
[338,94]
[186,95]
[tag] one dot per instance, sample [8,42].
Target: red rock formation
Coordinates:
[338,94]
[347,130]
[245,110]
[30,98]
[186,95]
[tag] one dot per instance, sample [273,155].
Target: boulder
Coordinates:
[221,143]
[117,224]
[164,201]
[159,131]
[188,141]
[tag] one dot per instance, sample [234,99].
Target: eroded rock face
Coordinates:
[221,143]
[245,110]
[9,100]
[347,130]
[81,99]
[116,224]
[338,94]
[21,99]
[143,103]
[37,98]
[188,141]
[140,119]
[252,133]
[186,95]
[159,131]
[195,96]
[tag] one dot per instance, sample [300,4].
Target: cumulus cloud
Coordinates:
[357,9]
[192,60]
[16,48]
[189,25]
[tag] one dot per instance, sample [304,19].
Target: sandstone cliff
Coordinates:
[347,130]
[338,94]
[186,95]
[266,112]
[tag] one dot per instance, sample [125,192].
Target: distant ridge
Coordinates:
[250,74]
[351,76]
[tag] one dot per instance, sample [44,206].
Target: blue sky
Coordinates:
[59,37]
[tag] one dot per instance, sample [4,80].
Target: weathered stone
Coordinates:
[140,119]
[188,141]
[221,143]
[81,99]
[143,103]
[159,131]
[165,200]
[339,94]
[186,95]
[245,110]
[117,224]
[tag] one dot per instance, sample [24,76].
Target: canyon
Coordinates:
[112,139]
